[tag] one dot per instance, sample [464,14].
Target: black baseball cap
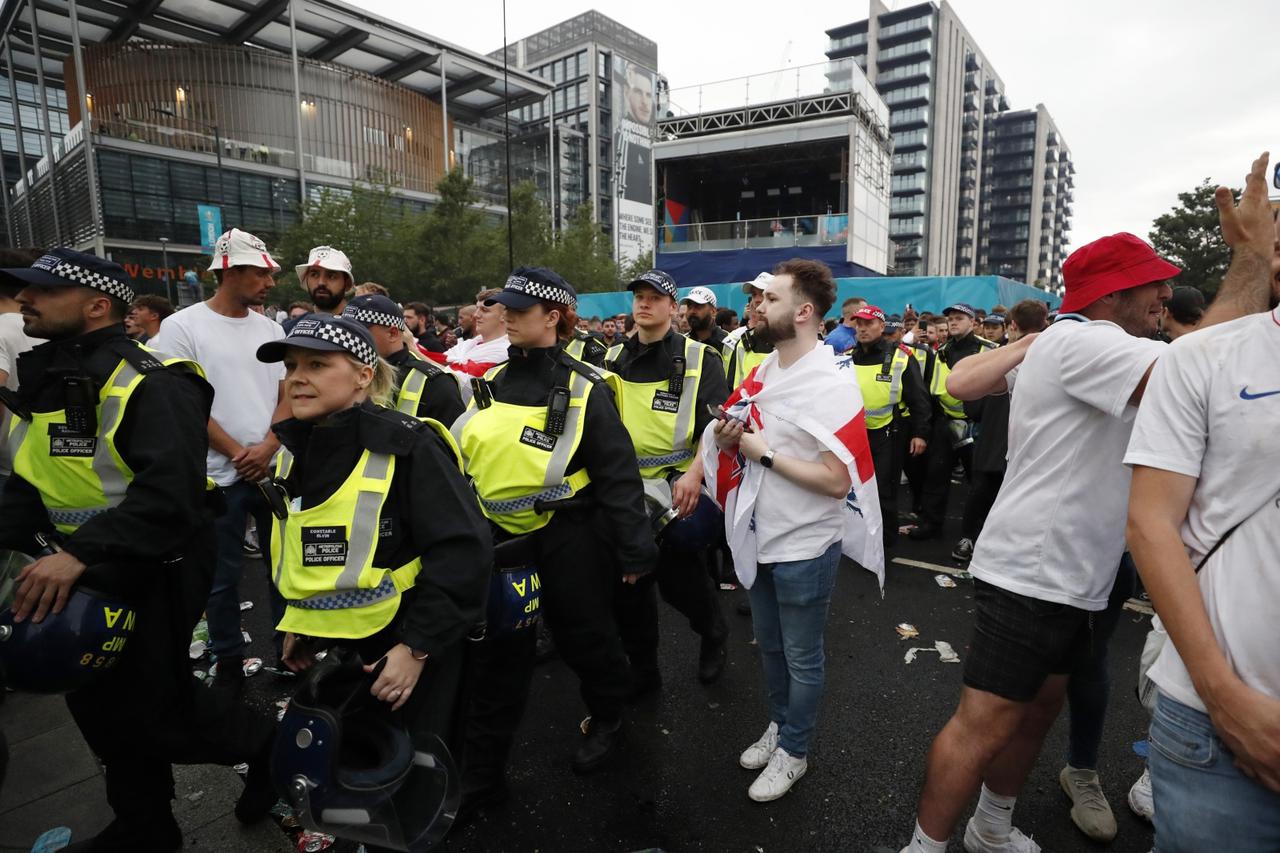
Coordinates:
[658,280]
[69,268]
[527,285]
[326,333]
[374,309]
[1186,305]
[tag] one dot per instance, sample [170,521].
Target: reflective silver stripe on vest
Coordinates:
[559,462]
[364,523]
[669,459]
[688,392]
[895,387]
[347,598]
[113,482]
[413,385]
[512,505]
[17,436]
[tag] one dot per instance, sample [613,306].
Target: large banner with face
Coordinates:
[633,101]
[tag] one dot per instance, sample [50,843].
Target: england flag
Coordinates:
[818,394]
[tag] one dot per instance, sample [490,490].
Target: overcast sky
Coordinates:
[1150,95]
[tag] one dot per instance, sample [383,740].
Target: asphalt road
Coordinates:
[678,787]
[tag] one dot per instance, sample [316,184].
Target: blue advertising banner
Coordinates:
[210,225]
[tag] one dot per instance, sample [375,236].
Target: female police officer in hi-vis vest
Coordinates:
[382,548]
[551,461]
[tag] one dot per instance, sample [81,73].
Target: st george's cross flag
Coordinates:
[818,394]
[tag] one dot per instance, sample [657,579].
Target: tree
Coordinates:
[1188,236]
[460,249]
[633,269]
[581,254]
[367,223]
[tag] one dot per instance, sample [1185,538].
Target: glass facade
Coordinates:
[146,198]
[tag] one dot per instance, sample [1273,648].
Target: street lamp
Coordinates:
[217,144]
[164,266]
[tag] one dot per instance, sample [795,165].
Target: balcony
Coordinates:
[969,142]
[906,206]
[910,140]
[915,73]
[1051,156]
[914,25]
[907,163]
[1050,173]
[965,220]
[971,62]
[778,232]
[970,104]
[907,96]
[903,52]
[910,227]
[971,81]
[1048,207]
[909,252]
[970,121]
[908,119]
[968,162]
[907,184]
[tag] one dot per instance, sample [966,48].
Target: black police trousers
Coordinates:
[577,589]
[886,453]
[151,712]
[941,458]
[685,583]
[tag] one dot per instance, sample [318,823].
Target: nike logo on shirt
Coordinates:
[1245,395]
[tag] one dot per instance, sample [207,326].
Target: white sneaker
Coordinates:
[975,842]
[756,756]
[1090,811]
[776,779]
[1141,801]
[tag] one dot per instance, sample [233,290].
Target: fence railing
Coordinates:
[818,229]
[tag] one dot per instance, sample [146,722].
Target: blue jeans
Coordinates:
[223,609]
[1203,801]
[789,604]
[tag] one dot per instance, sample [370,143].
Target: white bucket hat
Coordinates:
[327,258]
[236,248]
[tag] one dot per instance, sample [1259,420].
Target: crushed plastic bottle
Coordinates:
[906,630]
[313,842]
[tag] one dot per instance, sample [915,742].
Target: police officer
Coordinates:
[894,399]
[378,545]
[423,388]
[746,351]
[108,445]
[555,472]
[950,438]
[670,383]
[586,347]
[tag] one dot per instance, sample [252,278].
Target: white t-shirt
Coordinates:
[793,523]
[1056,530]
[1211,411]
[245,389]
[13,343]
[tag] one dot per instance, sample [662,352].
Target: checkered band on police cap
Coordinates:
[374,318]
[86,277]
[328,330]
[658,280]
[540,290]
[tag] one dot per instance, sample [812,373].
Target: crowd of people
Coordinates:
[429,490]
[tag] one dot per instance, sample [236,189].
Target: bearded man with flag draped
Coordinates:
[791,467]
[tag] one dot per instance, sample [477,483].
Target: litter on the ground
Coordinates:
[313,842]
[944,581]
[197,649]
[945,652]
[246,605]
[242,768]
[194,796]
[906,630]
[1140,748]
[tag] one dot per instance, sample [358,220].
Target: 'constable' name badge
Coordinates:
[67,442]
[324,546]
[665,401]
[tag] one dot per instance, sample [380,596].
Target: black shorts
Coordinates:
[1019,641]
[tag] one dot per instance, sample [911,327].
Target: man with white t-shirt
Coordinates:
[13,343]
[1047,557]
[1204,528]
[222,334]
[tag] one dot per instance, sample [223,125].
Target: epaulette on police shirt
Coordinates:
[384,430]
[593,375]
[424,365]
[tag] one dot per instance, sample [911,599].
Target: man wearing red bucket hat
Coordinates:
[1046,562]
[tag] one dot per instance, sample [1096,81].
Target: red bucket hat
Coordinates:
[1108,265]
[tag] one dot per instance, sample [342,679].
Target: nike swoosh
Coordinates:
[1245,395]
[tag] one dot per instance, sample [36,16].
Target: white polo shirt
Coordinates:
[1056,530]
[1212,411]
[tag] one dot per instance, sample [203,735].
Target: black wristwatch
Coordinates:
[766,459]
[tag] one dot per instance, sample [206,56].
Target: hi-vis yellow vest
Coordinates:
[409,394]
[323,558]
[938,387]
[661,418]
[578,344]
[882,392]
[740,361]
[79,477]
[514,461]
